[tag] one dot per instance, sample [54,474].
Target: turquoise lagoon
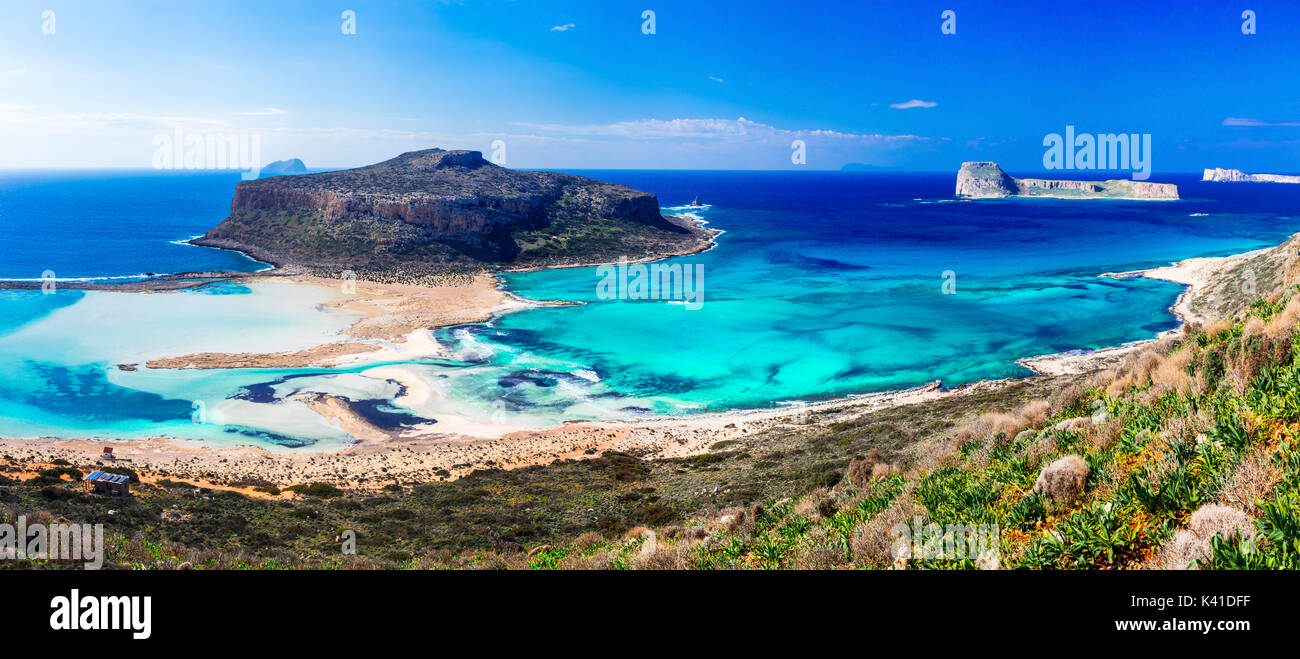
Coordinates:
[823,285]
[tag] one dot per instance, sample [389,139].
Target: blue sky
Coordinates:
[720,85]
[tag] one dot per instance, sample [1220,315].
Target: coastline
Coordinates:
[395,322]
[379,457]
[694,224]
[1210,283]
[1195,274]
[397,319]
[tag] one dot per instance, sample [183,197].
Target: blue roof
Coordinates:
[105,477]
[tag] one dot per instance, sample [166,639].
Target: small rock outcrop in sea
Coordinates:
[1238,176]
[283,168]
[696,202]
[434,211]
[982,179]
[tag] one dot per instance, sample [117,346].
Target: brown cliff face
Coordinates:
[426,209]
[443,216]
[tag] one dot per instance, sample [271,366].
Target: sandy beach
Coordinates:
[395,323]
[380,458]
[395,326]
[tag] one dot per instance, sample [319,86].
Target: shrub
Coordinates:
[318,490]
[1194,542]
[1223,520]
[1252,480]
[56,493]
[1065,398]
[1063,480]
[862,470]
[1030,414]
[588,540]
[873,541]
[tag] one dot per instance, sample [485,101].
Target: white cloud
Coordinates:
[1240,121]
[105,139]
[740,129]
[716,79]
[914,103]
[264,112]
[562,28]
[16,116]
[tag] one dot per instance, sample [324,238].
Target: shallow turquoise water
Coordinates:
[59,357]
[823,285]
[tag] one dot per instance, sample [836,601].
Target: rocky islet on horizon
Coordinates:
[1237,176]
[983,179]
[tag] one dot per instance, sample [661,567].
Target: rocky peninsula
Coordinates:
[432,212]
[1237,176]
[982,179]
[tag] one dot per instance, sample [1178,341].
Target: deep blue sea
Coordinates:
[823,284]
[112,224]
[827,284]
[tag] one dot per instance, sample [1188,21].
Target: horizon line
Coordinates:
[872,170]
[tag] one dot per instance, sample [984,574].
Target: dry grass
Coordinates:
[1252,479]
[740,521]
[1101,379]
[1186,428]
[1102,436]
[929,456]
[1170,373]
[871,467]
[1067,395]
[811,504]
[1219,326]
[1134,371]
[873,541]
[601,560]
[1283,325]
[588,540]
[1260,344]
[820,552]
[676,556]
[1036,451]
[977,429]
[1031,414]
[997,426]
[1160,365]
[1193,543]
[884,470]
